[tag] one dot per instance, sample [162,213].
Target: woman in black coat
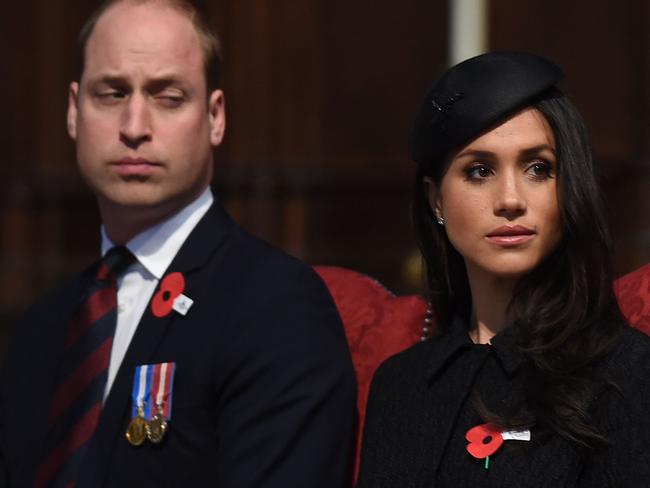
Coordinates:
[532,378]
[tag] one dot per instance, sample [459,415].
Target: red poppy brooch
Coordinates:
[486,439]
[170,296]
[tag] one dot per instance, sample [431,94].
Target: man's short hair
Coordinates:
[208,38]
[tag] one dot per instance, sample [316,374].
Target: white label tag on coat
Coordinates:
[182,304]
[516,435]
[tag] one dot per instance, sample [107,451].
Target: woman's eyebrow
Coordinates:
[526,152]
[536,150]
[475,153]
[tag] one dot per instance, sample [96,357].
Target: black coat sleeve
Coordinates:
[372,440]
[387,445]
[3,461]
[623,416]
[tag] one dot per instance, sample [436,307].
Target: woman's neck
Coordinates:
[490,299]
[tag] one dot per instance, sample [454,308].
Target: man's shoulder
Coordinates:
[51,302]
[264,266]
[39,325]
[242,252]
[276,309]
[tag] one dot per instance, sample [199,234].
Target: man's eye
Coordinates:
[170,101]
[111,96]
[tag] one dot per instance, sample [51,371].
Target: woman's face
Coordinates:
[499,197]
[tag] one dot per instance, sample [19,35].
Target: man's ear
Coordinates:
[217,114]
[73,109]
[434,197]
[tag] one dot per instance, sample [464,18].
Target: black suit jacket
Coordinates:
[264,389]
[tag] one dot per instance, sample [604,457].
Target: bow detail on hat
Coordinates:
[442,110]
[444,106]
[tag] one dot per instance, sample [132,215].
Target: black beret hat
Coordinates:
[475,95]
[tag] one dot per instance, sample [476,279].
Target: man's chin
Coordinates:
[133,201]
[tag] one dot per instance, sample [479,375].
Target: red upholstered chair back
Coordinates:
[633,294]
[379,324]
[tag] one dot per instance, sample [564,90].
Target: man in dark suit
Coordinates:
[222,361]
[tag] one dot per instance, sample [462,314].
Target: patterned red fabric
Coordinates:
[379,324]
[633,293]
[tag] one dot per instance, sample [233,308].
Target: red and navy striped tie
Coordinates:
[77,400]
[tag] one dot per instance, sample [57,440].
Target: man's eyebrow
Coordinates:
[162,82]
[109,80]
[155,83]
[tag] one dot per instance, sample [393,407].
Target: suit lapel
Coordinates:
[205,239]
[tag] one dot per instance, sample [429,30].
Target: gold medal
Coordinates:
[136,432]
[157,426]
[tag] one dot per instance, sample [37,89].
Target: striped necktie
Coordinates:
[77,400]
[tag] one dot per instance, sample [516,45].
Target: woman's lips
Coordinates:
[510,235]
[134,167]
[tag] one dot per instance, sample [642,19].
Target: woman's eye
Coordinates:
[478,172]
[540,170]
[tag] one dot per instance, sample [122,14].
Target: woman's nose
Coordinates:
[509,198]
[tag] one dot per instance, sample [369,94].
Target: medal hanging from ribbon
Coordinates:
[152,403]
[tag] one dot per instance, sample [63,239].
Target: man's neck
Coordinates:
[122,230]
[122,223]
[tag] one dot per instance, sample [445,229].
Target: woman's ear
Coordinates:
[433,194]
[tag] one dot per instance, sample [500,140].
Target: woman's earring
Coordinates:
[440,220]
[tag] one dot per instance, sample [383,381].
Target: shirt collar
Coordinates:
[456,340]
[156,247]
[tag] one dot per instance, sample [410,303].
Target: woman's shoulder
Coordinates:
[409,360]
[621,414]
[628,363]
[632,349]
[400,387]
[413,365]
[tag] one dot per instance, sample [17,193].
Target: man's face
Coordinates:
[140,115]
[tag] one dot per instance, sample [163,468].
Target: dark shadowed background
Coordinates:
[321,96]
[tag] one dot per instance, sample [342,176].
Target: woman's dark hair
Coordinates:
[563,316]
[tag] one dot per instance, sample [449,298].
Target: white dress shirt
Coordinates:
[155,248]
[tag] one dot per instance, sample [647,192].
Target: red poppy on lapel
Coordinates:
[484,440]
[170,288]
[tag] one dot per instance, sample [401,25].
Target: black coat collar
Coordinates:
[451,344]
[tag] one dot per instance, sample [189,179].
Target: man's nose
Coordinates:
[136,121]
[510,199]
